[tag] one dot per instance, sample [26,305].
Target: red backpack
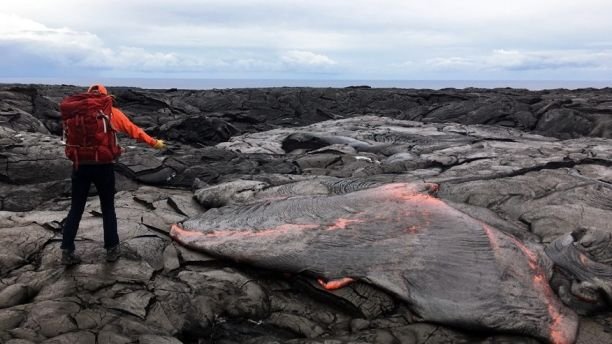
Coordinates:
[89,135]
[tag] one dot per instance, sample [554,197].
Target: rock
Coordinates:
[222,194]
[147,249]
[402,162]
[74,337]
[32,158]
[26,334]
[594,332]
[135,303]
[199,129]
[131,327]
[122,271]
[10,319]
[93,318]
[359,325]
[108,337]
[184,204]
[20,244]
[566,121]
[171,260]
[172,297]
[420,333]
[19,341]
[229,292]
[188,256]
[150,339]
[13,295]
[544,199]
[596,172]
[158,318]
[20,120]
[372,336]
[358,299]
[297,324]
[203,313]
[221,113]
[31,196]
[53,318]
[534,164]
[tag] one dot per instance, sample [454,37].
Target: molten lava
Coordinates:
[560,328]
[342,223]
[335,284]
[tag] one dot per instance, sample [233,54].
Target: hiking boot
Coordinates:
[69,258]
[113,253]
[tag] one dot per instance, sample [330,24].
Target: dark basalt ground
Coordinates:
[536,165]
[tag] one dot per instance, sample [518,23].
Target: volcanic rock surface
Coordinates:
[534,165]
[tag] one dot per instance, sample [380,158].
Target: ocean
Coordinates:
[159,83]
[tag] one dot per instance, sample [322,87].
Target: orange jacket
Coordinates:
[120,122]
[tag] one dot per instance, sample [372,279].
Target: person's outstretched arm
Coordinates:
[122,123]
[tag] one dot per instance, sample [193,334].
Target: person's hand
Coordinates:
[160,144]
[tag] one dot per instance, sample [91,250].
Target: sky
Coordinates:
[310,39]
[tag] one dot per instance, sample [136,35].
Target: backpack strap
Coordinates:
[105,119]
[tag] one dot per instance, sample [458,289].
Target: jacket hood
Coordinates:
[98,87]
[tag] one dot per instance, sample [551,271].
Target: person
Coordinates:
[102,175]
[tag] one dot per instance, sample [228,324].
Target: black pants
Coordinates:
[103,177]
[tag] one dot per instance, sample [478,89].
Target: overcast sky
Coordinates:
[310,39]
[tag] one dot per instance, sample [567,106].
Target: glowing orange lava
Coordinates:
[406,193]
[560,329]
[176,232]
[341,223]
[335,284]
[492,238]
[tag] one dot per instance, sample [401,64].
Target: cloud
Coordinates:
[279,38]
[223,36]
[524,61]
[539,60]
[70,48]
[450,63]
[306,58]
[338,15]
[317,25]
[76,50]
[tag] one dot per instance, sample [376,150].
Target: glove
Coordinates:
[160,144]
